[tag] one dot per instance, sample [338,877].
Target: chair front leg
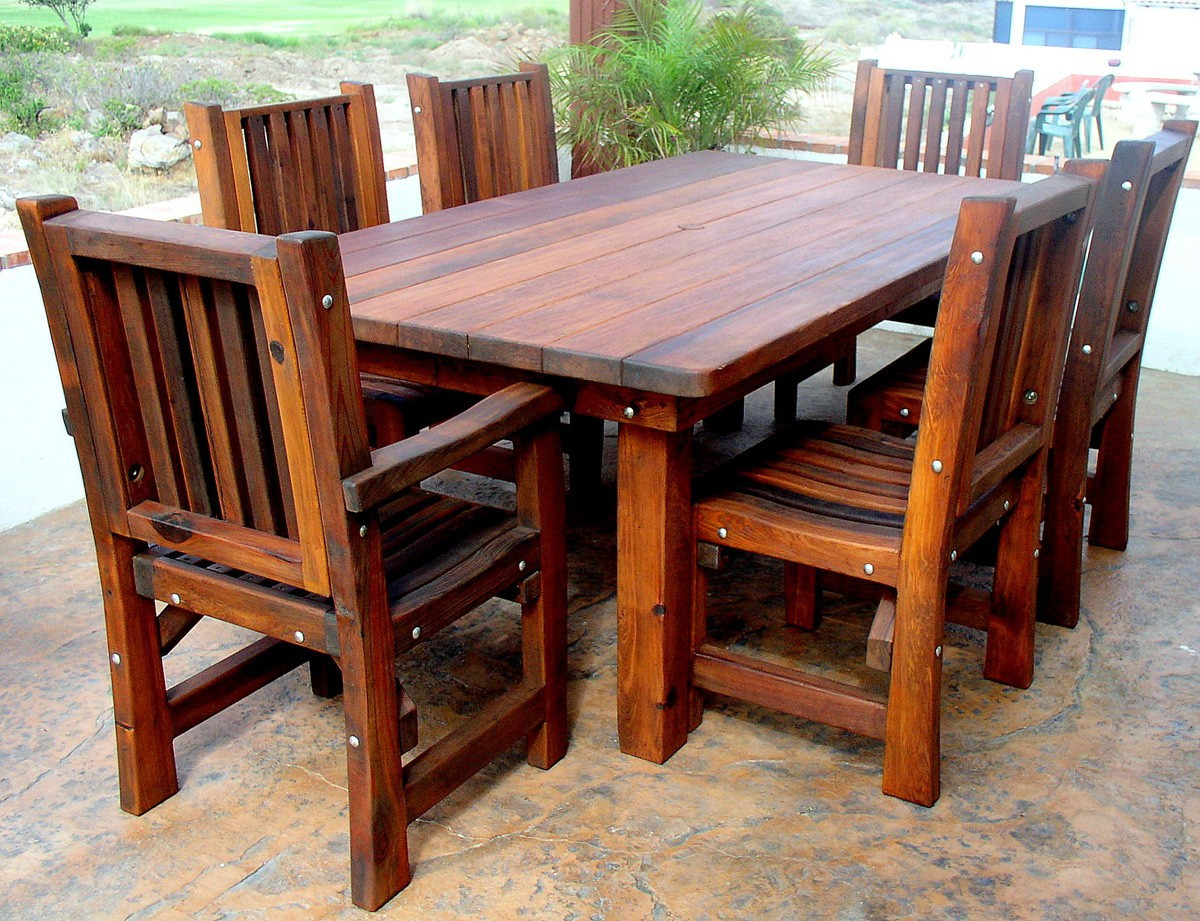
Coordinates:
[145,736]
[544,615]
[1110,492]
[379,865]
[912,742]
[1013,615]
[801,596]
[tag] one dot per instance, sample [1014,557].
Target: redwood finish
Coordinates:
[218,417]
[314,164]
[859,503]
[657,295]
[483,137]
[1095,404]
[949,123]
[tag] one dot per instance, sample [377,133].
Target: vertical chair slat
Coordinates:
[936,122]
[958,117]
[915,119]
[979,128]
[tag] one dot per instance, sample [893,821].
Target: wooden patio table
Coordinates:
[656,295]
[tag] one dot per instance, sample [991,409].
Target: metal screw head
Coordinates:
[1036,552]
[116,658]
[521,566]
[721,532]
[904,412]
[416,110]
[936,466]
[953,555]
[868,568]
[362,530]
[1126,186]
[977,257]
[353,740]
[1087,350]
[175,599]
[937,651]
[1031,397]
[1115,396]
[298,636]
[416,633]
[197,143]
[629,412]
[1007,505]
[1133,306]
[136,472]
[327,301]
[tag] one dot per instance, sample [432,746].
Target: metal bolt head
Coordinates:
[977,257]
[905,412]
[298,636]
[721,532]
[1115,397]
[327,301]
[353,740]
[629,412]
[937,651]
[136,472]
[197,143]
[1037,552]
[362,530]
[953,555]
[1133,306]
[416,633]
[115,658]
[1031,397]
[936,466]
[521,566]
[1007,505]
[416,110]
[1126,186]
[1087,350]
[868,568]
[175,599]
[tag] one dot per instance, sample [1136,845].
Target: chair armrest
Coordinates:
[411,460]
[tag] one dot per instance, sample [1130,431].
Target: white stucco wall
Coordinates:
[39,471]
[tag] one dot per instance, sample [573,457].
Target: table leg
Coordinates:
[655,560]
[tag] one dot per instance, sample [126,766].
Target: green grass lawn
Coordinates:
[293,17]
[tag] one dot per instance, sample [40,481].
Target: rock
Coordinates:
[8,201]
[85,141]
[14,141]
[149,148]
[464,55]
[155,116]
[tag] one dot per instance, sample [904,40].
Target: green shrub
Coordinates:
[119,118]
[270,39]
[19,103]
[227,93]
[71,12]
[125,29]
[48,39]
[665,79]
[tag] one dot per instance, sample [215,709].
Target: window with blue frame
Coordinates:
[1002,24]
[1068,27]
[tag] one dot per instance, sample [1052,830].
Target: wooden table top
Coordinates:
[681,277]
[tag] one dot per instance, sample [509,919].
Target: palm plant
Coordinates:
[665,79]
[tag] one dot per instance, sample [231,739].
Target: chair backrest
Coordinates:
[316,164]
[477,139]
[1134,206]
[997,354]
[1101,89]
[917,120]
[181,350]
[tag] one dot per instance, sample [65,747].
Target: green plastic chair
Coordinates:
[1095,113]
[1061,117]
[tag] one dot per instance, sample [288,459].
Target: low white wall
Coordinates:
[39,471]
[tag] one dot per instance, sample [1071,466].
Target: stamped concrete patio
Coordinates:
[1076,799]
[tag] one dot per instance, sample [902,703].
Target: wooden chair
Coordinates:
[480,138]
[940,123]
[858,503]
[490,136]
[917,120]
[1134,205]
[212,388]
[315,164]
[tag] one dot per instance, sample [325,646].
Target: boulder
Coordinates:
[14,141]
[149,148]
